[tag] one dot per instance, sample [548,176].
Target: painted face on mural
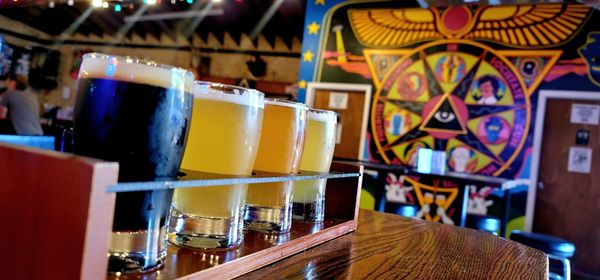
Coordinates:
[493,127]
[591,53]
[489,90]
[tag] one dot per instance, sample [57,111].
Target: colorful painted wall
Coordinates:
[461,79]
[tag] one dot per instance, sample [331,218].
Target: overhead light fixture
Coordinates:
[97,3]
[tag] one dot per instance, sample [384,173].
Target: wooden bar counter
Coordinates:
[387,246]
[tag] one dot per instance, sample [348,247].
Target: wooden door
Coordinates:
[568,205]
[350,117]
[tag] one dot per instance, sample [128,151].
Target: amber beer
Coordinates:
[223,139]
[137,113]
[269,206]
[309,196]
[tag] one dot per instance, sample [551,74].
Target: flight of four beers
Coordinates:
[154,119]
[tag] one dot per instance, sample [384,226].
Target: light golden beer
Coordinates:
[317,155]
[224,137]
[269,205]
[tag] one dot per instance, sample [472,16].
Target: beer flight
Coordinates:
[154,119]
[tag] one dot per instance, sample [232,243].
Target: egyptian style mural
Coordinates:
[461,79]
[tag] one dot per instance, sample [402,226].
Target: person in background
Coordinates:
[21,107]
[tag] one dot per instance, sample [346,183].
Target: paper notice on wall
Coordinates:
[338,100]
[580,160]
[338,134]
[585,114]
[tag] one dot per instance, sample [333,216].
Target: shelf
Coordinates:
[200,179]
[448,175]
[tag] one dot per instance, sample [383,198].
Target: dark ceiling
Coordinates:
[238,16]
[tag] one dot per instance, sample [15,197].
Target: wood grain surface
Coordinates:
[387,246]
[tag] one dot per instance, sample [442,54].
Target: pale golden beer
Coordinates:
[269,205]
[224,136]
[319,145]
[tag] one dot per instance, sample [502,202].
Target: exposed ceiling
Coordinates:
[232,16]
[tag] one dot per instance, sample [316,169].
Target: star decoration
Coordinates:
[307,56]
[302,84]
[320,2]
[313,28]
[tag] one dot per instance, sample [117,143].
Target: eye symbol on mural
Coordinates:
[444,116]
[481,112]
[383,64]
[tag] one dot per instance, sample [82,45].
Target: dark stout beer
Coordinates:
[127,112]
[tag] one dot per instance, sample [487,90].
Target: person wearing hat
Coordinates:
[20,106]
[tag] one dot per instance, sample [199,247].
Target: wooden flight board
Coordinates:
[57,215]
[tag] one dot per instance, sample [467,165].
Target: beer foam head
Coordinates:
[322,115]
[128,69]
[227,93]
[285,103]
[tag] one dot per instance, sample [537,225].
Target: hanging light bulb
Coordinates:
[70,2]
[97,3]
[51,4]
[105,5]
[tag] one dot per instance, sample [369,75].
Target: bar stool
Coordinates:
[558,250]
[402,209]
[484,223]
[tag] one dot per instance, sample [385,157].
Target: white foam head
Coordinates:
[227,93]
[322,115]
[285,103]
[128,69]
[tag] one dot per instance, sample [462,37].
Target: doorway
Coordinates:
[564,197]
[351,103]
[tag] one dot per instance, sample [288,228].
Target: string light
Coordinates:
[70,2]
[105,5]
[97,3]
[51,4]
[190,1]
[117,8]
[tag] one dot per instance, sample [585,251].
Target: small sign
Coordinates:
[585,114]
[580,160]
[431,162]
[582,137]
[338,134]
[338,100]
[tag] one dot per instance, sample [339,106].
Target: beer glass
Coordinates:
[223,139]
[269,205]
[309,196]
[137,113]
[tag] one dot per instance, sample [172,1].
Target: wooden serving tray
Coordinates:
[70,235]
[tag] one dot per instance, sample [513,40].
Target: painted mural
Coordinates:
[461,79]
